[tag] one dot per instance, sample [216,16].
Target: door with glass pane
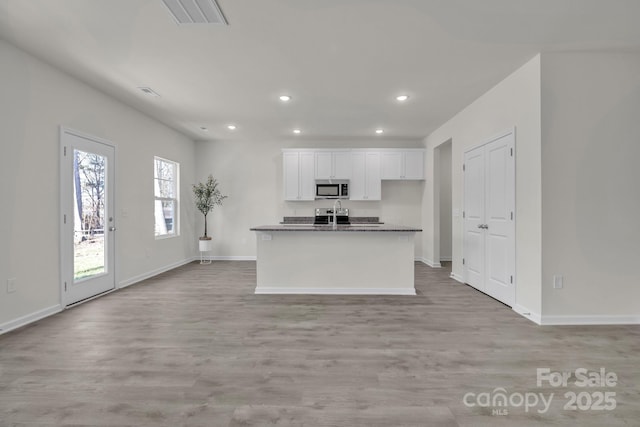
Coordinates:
[87,223]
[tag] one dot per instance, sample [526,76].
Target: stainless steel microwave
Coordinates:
[332,190]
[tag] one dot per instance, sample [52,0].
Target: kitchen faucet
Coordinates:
[337,202]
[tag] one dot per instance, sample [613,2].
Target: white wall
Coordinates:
[590,183]
[444,196]
[251,174]
[35,99]
[514,102]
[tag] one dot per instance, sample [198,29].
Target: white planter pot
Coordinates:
[205,245]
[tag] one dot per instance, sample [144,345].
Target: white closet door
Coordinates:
[500,231]
[474,217]
[489,226]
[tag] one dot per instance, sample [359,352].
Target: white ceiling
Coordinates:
[342,61]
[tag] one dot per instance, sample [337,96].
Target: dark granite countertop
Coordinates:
[350,228]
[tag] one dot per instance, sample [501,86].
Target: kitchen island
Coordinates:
[376,259]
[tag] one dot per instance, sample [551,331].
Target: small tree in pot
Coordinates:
[208,195]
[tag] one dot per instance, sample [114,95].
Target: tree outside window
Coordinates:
[166,191]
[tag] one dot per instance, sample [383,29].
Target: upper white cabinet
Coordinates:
[365,181]
[333,164]
[298,174]
[402,164]
[391,165]
[364,168]
[414,164]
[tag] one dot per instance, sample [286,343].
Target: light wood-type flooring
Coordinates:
[195,347]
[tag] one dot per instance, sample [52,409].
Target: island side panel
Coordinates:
[335,262]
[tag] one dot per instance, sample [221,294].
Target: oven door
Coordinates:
[327,191]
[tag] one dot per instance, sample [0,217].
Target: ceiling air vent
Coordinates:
[195,11]
[148,91]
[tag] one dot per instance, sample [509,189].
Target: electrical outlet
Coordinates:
[11,285]
[558,282]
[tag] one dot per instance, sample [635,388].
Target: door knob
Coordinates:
[112,229]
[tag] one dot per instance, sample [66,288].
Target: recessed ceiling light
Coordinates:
[204,129]
[148,91]
[402,98]
[379,131]
[297,131]
[285,98]
[231,127]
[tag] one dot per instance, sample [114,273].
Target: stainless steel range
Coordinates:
[324,216]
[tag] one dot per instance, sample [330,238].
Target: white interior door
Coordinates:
[87,223]
[499,227]
[474,207]
[489,226]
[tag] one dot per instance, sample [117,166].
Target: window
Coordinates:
[165,182]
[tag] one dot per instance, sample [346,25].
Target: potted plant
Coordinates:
[208,195]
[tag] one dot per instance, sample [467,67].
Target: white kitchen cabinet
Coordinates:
[298,175]
[402,164]
[414,164]
[333,164]
[391,165]
[365,181]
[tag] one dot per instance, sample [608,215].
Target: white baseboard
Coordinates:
[29,318]
[525,312]
[45,312]
[430,263]
[456,277]
[261,290]
[228,258]
[576,320]
[591,320]
[445,258]
[139,278]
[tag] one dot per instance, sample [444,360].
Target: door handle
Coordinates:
[112,229]
[483,226]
